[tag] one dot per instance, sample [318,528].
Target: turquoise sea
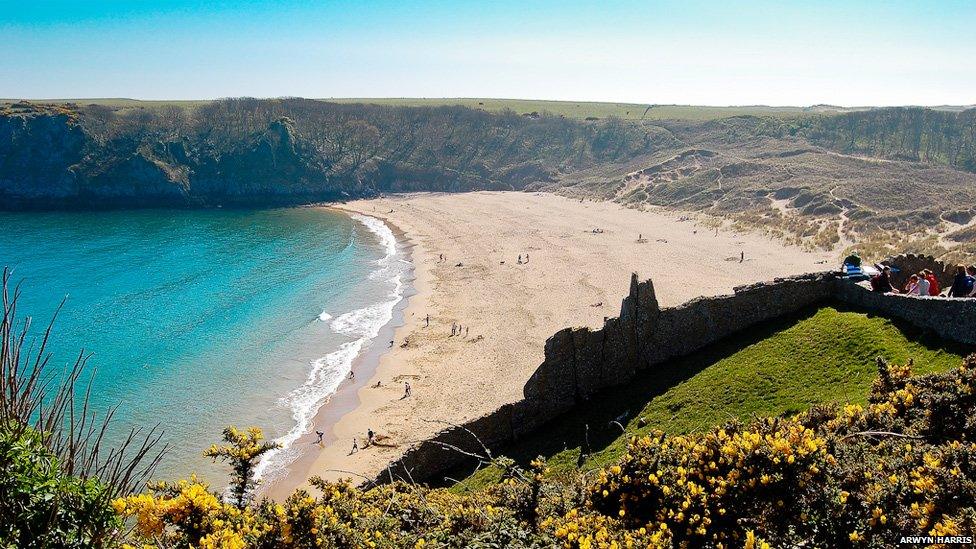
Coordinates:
[195,320]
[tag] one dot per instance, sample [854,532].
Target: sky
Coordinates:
[844,52]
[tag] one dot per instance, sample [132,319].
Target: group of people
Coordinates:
[370,439]
[925,283]
[457,329]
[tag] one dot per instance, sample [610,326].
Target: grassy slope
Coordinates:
[826,356]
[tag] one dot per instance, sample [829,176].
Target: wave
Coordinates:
[362,325]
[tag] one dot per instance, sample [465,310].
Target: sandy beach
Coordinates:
[573,277]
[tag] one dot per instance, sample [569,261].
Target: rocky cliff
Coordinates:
[277,152]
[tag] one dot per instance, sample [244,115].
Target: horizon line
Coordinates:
[394,98]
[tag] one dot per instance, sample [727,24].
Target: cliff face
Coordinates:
[38,155]
[49,160]
[280,152]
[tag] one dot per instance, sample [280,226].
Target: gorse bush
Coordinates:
[242,452]
[849,476]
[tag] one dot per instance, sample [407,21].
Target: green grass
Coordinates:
[824,356]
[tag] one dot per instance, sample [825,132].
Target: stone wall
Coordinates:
[951,318]
[909,264]
[581,361]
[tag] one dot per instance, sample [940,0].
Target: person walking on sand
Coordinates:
[526,258]
[742,256]
[427,321]
[320,434]
[355,446]
[406,389]
[520,259]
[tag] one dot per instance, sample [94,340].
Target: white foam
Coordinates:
[328,372]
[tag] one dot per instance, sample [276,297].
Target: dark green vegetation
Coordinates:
[890,180]
[826,356]
[44,506]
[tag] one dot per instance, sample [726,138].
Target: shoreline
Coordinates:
[346,398]
[576,277]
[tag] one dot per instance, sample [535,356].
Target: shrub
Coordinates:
[56,486]
[829,477]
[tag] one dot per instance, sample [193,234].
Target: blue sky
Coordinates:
[690,52]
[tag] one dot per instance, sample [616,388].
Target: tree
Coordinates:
[242,452]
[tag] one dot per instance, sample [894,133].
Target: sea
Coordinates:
[193,320]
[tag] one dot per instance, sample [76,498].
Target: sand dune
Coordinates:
[574,276]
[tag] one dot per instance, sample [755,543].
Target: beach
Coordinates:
[577,258]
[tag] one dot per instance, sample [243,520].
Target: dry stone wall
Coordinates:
[581,361]
[953,319]
[908,264]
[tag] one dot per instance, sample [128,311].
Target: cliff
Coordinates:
[290,151]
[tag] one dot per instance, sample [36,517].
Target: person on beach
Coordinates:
[427,321]
[526,258]
[453,328]
[355,446]
[520,259]
[369,438]
[962,284]
[466,331]
[742,256]
[406,389]
[352,375]
[320,435]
